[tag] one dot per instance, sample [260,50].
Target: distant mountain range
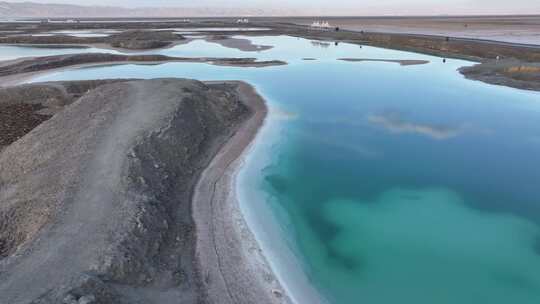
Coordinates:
[39,10]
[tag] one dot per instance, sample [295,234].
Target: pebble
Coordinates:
[88,299]
[69,299]
[277,293]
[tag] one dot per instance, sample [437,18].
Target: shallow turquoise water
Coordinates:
[390,184]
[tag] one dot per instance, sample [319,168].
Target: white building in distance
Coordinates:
[321,24]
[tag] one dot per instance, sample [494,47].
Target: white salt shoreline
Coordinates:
[238,263]
[230,264]
[256,215]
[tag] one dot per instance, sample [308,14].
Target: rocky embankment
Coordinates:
[24,107]
[512,73]
[95,201]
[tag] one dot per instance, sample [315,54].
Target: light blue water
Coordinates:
[390,184]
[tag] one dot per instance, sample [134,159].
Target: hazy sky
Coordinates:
[364,7]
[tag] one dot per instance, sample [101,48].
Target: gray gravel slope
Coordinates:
[97,199]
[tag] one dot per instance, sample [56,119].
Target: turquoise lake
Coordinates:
[384,183]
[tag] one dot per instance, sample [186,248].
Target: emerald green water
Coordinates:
[431,234]
[377,183]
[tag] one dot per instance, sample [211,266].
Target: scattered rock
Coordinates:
[89,299]
[277,293]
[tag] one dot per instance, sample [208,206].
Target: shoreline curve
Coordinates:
[230,262]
